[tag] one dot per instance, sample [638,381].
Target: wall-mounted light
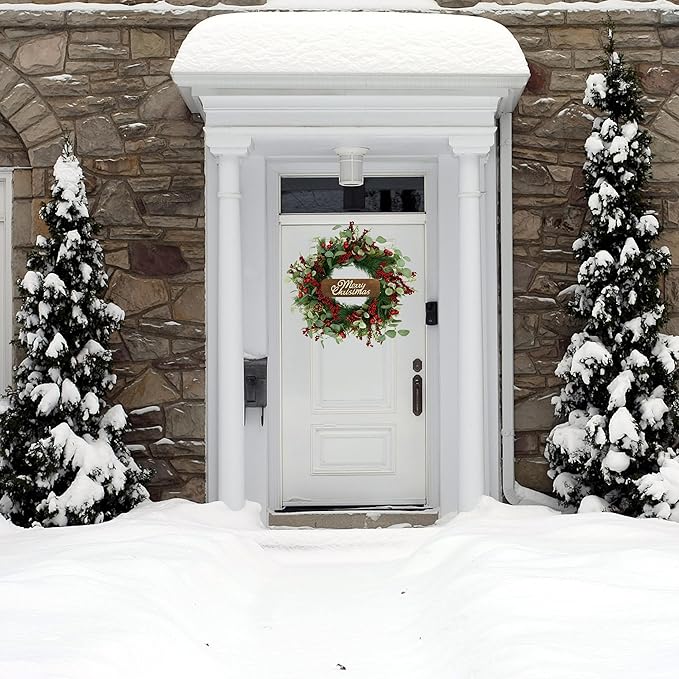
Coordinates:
[351,165]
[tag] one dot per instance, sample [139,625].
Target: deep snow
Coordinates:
[176,589]
[349,43]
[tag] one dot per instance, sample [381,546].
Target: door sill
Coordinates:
[376,517]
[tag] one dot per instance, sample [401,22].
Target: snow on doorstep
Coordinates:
[248,43]
[176,590]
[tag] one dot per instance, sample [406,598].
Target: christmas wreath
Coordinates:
[317,294]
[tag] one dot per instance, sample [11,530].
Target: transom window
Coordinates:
[378,194]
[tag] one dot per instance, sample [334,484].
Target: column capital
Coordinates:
[472,141]
[222,142]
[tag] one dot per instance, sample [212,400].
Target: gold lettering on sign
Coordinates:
[350,287]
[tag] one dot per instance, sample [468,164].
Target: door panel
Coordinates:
[331,389]
[349,435]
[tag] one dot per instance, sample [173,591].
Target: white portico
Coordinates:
[428,95]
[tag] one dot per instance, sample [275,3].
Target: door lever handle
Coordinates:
[417,395]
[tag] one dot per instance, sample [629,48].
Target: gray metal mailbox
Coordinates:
[255,383]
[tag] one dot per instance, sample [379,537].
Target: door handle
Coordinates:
[417,395]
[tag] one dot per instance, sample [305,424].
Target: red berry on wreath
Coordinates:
[325,316]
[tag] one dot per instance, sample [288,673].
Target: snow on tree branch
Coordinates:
[616,448]
[62,457]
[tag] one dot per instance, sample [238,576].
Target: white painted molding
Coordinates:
[222,142]
[229,150]
[475,141]
[513,491]
[194,87]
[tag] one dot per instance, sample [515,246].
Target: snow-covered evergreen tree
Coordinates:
[62,457]
[615,450]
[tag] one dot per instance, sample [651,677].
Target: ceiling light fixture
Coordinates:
[351,165]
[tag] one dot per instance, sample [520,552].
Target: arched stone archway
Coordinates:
[13,153]
[31,118]
[30,140]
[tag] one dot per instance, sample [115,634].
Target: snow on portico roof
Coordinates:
[319,43]
[381,5]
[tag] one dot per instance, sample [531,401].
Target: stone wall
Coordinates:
[103,77]
[321,4]
[12,150]
[550,127]
[142,152]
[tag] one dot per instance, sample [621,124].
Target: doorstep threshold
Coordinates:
[353,517]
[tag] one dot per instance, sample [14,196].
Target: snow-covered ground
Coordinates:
[176,589]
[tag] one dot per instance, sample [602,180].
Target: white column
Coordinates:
[228,354]
[471,148]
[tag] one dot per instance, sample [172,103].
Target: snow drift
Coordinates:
[176,589]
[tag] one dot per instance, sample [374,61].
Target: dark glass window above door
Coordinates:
[378,194]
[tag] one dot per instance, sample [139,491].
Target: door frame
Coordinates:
[325,168]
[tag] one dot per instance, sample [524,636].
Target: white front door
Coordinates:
[352,431]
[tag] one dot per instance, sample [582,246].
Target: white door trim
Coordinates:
[6,314]
[375,218]
[305,168]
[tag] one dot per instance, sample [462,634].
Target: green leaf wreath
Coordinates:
[375,319]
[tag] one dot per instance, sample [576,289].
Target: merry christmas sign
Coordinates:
[350,287]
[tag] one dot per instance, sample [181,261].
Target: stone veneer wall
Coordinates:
[103,77]
[106,83]
[550,127]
